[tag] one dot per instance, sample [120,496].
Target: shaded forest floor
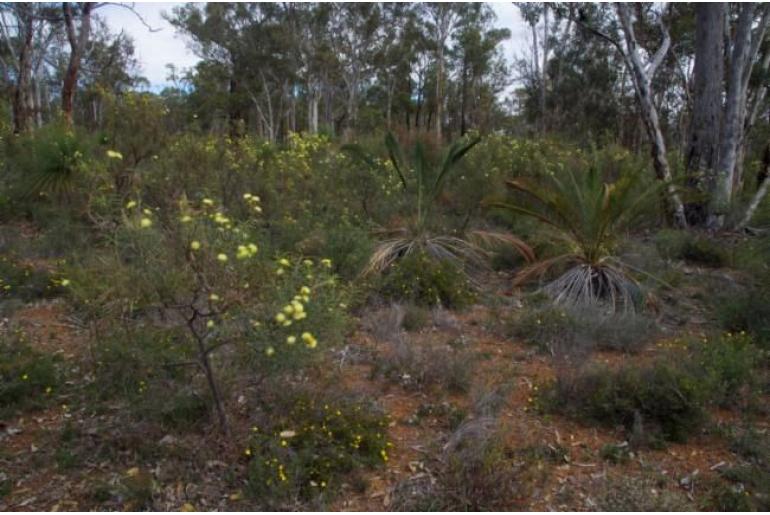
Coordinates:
[70,453]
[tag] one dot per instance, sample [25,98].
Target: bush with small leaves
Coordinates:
[307,444]
[427,282]
[658,401]
[694,248]
[27,377]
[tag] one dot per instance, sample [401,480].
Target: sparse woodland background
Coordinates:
[356,258]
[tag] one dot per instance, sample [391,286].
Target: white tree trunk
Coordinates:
[735,102]
[642,82]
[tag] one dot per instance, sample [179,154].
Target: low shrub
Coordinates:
[26,282]
[559,330]
[658,401]
[726,366]
[427,282]
[691,247]
[307,444]
[748,311]
[476,472]
[639,494]
[422,367]
[27,377]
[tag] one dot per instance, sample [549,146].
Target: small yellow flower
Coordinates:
[247,452]
[130,204]
[195,245]
[284,262]
[269,351]
[326,262]
[213,297]
[144,223]
[222,257]
[186,219]
[65,282]
[210,324]
[280,318]
[291,340]
[25,377]
[208,202]
[304,290]
[114,154]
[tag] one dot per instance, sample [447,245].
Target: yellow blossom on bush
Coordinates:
[284,262]
[291,340]
[222,257]
[144,223]
[130,204]
[269,351]
[195,245]
[114,154]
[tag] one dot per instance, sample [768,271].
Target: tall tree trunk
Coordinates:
[642,83]
[21,108]
[439,92]
[702,154]
[733,119]
[312,109]
[78,44]
[463,96]
[543,121]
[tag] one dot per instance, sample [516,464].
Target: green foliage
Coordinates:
[586,208]
[475,472]
[746,310]
[27,377]
[640,494]
[52,161]
[426,282]
[415,317]
[691,247]
[25,282]
[558,329]
[422,183]
[308,444]
[126,362]
[426,366]
[727,365]
[661,400]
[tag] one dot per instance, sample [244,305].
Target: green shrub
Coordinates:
[475,472]
[658,400]
[415,317]
[747,311]
[308,444]
[26,282]
[560,330]
[727,366]
[639,494]
[420,367]
[691,247]
[427,282]
[27,377]
[126,362]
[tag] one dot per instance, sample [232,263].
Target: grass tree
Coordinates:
[587,216]
[423,183]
